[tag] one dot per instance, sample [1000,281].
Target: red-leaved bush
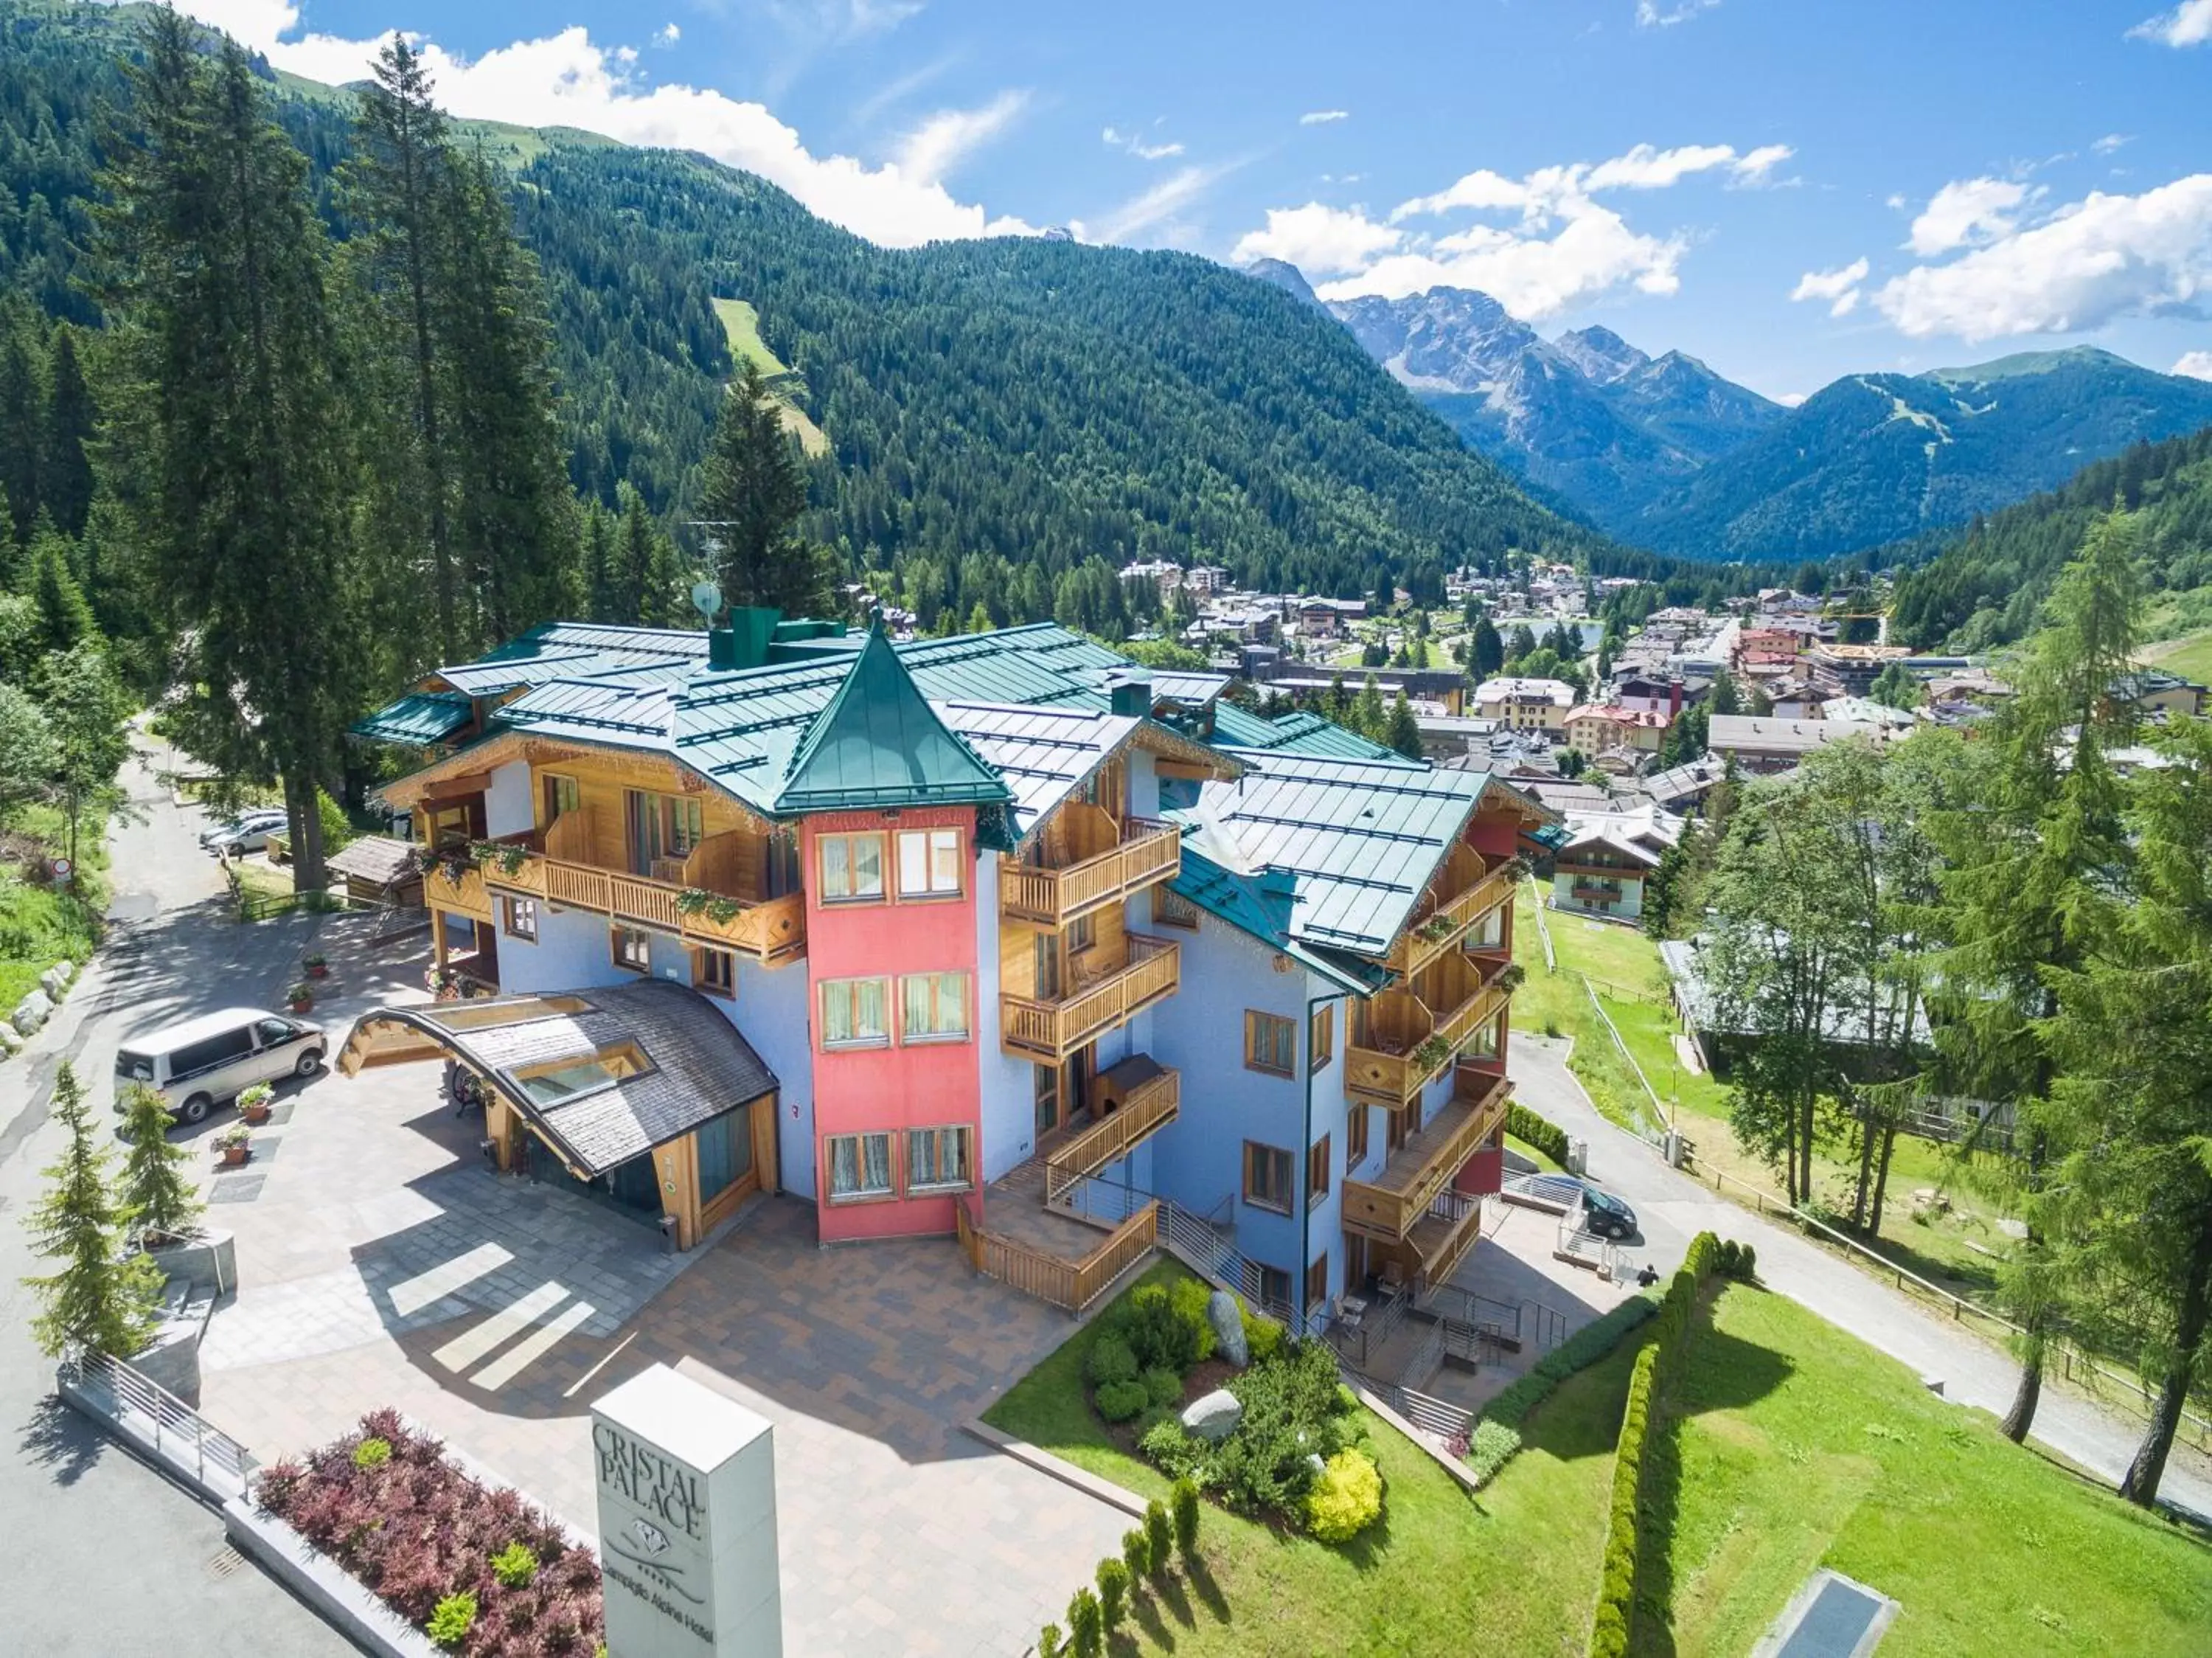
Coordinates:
[416,1529]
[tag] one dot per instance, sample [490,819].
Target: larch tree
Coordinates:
[2128,1129]
[752,496]
[2031,865]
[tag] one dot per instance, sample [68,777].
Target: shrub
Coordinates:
[1109,1360]
[1730,1254]
[1048,1641]
[1171,1448]
[1492,1446]
[1118,1401]
[1263,1337]
[1525,1125]
[449,1625]
[1747,1263]
[1346,1498]
[1086,1632]
[1182,1502]
[1137,1553]
[372,1454]
[514,1565]
[1113,1594]
[1161,1386]
[1166,1330]
[1293,1411]
[1159,1536]
[1616,1582]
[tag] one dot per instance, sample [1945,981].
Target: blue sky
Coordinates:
[1789,189]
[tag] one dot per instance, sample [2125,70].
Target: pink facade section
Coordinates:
[896,1086]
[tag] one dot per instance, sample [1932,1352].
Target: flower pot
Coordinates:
[256,1115]
[300,1004]
[233,1155]
[319,970]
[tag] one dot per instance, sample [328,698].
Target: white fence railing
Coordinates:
[143,1410]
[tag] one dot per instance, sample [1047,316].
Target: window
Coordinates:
[521,917]
[548,1084]
[1172,909]
[937,1160]
[1317,1283]
[1355,1136]
[1321,1037]
[715,971]
[933,1007]
[1317,1168]
[1489,933]
[1267,1177]
[852,869]
[1270,1044]
[1082,933]
[275,1031]
[562,795]
[633,947]
[725,1147]
[855,1013]
[1483,1045]
[929,863]
[860,1167]
[1274,1287]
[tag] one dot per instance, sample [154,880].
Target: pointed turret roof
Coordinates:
[879,743]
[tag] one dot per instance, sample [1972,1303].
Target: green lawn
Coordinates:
[741,327]
[1543,1160]
[1799,1446]
[1513,1571]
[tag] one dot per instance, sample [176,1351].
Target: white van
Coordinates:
[203,1061]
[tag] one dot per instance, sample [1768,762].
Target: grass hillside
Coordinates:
[1799,1446]
[741,323]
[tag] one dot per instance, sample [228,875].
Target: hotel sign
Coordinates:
[687,1521]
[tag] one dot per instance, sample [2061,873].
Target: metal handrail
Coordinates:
[141,1405]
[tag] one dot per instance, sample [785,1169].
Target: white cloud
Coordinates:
[2111,142]
[1136,144]
[1839,288]
[1754,168]
[1322,117]
[1790,399]
[2189,24]
[567,80]
[2197,365]
[1534,277]
[1158,207]
[1320,240]
[667,35]
[1896,204]
[948,138]
[1649,14]
[1966,212]
[2085,265]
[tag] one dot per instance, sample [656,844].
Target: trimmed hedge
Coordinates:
[1547,1137]
[1496,1436]
[1657,1367]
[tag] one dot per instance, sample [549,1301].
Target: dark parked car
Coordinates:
[1606,1215]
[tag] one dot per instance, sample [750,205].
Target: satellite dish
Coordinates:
[707,599]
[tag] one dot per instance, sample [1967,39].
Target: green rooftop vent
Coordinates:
[743,642]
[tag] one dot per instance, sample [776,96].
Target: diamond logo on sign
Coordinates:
[655,1539]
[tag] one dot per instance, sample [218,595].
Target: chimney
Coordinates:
[743,642]
[1673,698]
[1130,693]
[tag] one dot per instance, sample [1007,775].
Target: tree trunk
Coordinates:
[1881,1174]
[2021,1416]
[308,873]
[1859,1193]
[2141,1484]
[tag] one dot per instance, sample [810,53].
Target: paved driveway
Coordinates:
[1673,1208]
[380,1263]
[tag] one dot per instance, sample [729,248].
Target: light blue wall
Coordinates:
[1628,908]
[1144,785]
[572,953]
[1009,1112]
[508,807]
[1199,1159]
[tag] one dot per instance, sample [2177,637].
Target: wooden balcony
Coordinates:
[1050,1031]
[459,891]
[1410,1042]
[1108,862]
[1149,1096]
[1070,1284]
[556,867]
[1444,1235]
[1465,891]
[1395,1203]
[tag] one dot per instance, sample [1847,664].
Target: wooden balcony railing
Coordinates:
[1394,1203]
[1147,1110]
[1072,1285]
[1409,1044]
[1148,853]
[1051,1031]
[1444,1233]
[1443,927]
[459,891]
[771,929]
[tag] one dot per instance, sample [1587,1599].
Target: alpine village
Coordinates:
[733,927]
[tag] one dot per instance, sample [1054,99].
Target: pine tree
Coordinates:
[1368,716]
[21,404]
[647,573]
[86,709]
[1403,732]
[102,1299]
[162,1200]
[64,463]
[1487,659]
[64,618]
[752,495]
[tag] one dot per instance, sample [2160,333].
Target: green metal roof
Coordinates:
[1261,904]
[417,719]
[879,744]
[1298,733]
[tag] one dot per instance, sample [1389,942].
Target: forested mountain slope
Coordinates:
[1983,586]
[1041,401]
